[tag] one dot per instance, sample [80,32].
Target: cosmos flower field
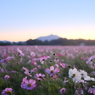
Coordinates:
[47,70]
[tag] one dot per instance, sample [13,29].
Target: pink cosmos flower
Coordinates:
[93,73]
[7,91]
[84,58]
[43,58]
[20,52]
[28,84]
[6,77]
[55,77]
[27,72]
[62,90]
[24,68]
[52,70]
[24,79]
[6,59]
[32,54]
[56,60]
[90,59]
[33,61]
[63,65]
[3,61]
[39,66]
[56,65]
[39,76]
[59,54]
[92,90]
[34,70]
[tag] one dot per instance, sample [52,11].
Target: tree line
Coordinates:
[60,41]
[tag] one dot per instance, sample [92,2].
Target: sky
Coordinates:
[21,20]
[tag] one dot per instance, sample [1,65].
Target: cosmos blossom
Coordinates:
[33,61]
[32,54]
[39,76]
[28,84]
[20,52]
[92,90]
[33,70]
[83,73]
[75,75]
[6,59]
[63,65]
[78,75]
[52,70]
[84,58]
[27,72]
[43,58]
[7,91]
[24,79]
[6,77]
[62,90]
[59,54]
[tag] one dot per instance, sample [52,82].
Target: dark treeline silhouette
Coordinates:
[60,41]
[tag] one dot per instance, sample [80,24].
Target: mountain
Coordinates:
[5,41]
[49,38]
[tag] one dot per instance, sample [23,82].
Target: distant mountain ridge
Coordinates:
[42,38]
[48,38]
[51,40]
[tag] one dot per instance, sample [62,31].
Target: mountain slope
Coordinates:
[49,38]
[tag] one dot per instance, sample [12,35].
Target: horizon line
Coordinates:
[54,39]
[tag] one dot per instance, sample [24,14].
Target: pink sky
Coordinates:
[70,32]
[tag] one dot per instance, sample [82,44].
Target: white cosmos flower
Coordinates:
[83,73]
[72,72]
[93,79]
[75,75]
[77,78]
[88,78]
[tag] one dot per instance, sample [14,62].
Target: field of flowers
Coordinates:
[47,70]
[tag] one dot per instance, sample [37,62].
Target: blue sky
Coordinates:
[24,19]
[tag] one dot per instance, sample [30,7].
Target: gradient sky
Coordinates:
[21,20]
